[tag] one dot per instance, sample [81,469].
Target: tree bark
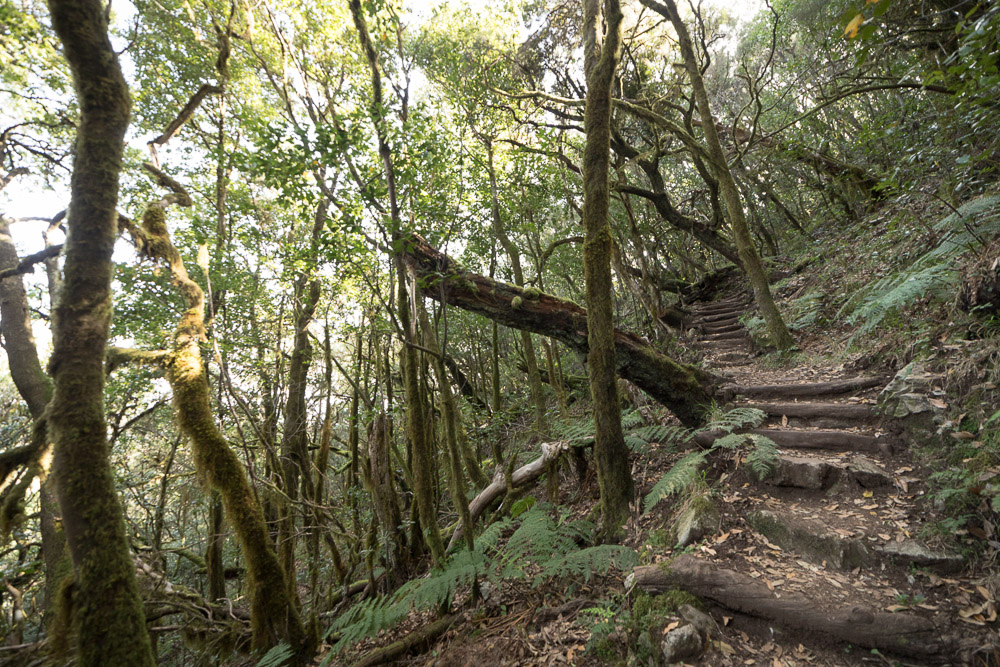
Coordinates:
[686,390]
[423,473]
[601,55]
[108,611]
[749,258]
[905,634]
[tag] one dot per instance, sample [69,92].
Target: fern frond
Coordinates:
[587,562]
[666,435]
[736,418]
[577,431]
[763,455]
[631,419]
[681,476]
[636,444]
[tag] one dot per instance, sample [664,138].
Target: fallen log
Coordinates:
[524,475]
[686,390]
[418,640]
[901,633]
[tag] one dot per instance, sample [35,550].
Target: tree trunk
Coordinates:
[423,471]
[749,258]
[108,612]
[686,390]
[601,55]
[35,388]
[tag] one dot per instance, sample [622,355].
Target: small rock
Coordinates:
[680,644]
[802,472]
[704,623]
[912,552]
[701,518]
[869,474]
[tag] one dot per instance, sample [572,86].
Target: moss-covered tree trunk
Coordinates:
[294,440]
[108,613]
[416,425]
[601,54]
[273,616]
[749,257]
[35,388]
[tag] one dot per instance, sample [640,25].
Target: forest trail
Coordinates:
[829,559]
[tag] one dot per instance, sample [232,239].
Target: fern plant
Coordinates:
[762,452]
[541,548]
[934,274]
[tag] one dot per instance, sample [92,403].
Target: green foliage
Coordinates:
[279,656]
[762,453]
[541,547]
[681,475]
[934,274]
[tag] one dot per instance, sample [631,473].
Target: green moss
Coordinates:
[516,303]
[531,293]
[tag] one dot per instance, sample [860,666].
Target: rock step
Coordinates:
[733,316]
[802,390]
[729,335]
[716,306]
[819,474]
[819,544]
[733,357]
[864,625]
[814,410]
[725,328]
[837,441]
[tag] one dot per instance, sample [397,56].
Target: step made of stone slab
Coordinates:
[812,540]
[831,388]
[835,441]
[730,335]
[819,544]
[911,553]
[813,410]
[733,356]
[818,474]
[725,328]
[733,316]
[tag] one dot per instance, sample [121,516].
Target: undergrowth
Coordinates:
[934,274]
[540,549]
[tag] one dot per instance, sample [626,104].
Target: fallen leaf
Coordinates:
[963,435]
[851,31]
[868,494]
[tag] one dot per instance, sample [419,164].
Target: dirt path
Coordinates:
[828,557]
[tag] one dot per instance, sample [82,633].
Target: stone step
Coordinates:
[811,439]
[820,544]
[820,474]
[729,335]
[803,390]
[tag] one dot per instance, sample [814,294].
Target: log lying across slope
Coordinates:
[685,390]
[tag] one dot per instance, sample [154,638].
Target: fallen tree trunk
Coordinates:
[524,475]
[419,639]
[901,633]
[686,390]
